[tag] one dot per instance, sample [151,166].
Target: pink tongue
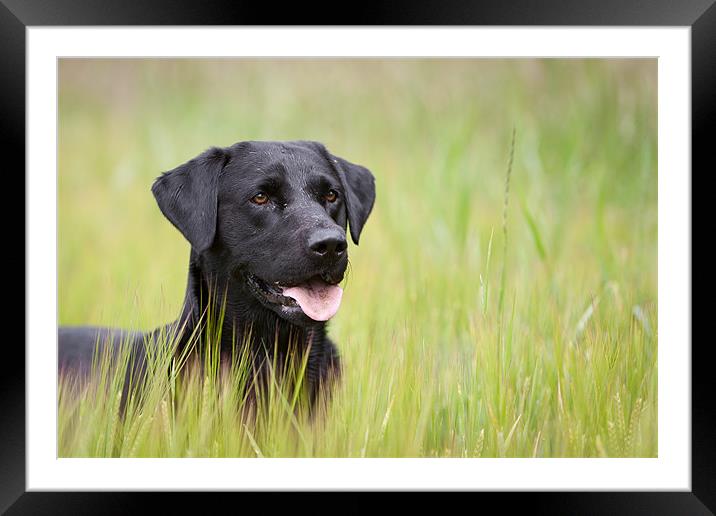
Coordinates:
[317,299]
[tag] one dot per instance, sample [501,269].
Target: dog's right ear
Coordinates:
[188,196]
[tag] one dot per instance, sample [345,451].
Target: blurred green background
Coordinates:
[421,299]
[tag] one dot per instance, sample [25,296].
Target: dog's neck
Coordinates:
[209,292]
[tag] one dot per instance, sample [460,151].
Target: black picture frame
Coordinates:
[16,15]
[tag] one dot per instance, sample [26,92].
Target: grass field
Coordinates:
[461,336]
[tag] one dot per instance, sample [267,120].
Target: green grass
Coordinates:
[466,330]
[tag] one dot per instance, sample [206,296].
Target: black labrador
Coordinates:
[267,226]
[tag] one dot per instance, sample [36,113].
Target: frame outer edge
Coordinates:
[12,143]
[703,125]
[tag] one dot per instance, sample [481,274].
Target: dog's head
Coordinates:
[272,216]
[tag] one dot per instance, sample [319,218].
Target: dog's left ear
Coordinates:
[188,196]
[358,186]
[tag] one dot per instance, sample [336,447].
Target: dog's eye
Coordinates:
[260,198]
[331,196]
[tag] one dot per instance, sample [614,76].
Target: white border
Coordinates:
[671,470]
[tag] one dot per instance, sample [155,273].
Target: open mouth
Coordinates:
[316,297]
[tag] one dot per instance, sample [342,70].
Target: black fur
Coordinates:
[209,200]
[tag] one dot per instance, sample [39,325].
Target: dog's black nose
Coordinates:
[327,243]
